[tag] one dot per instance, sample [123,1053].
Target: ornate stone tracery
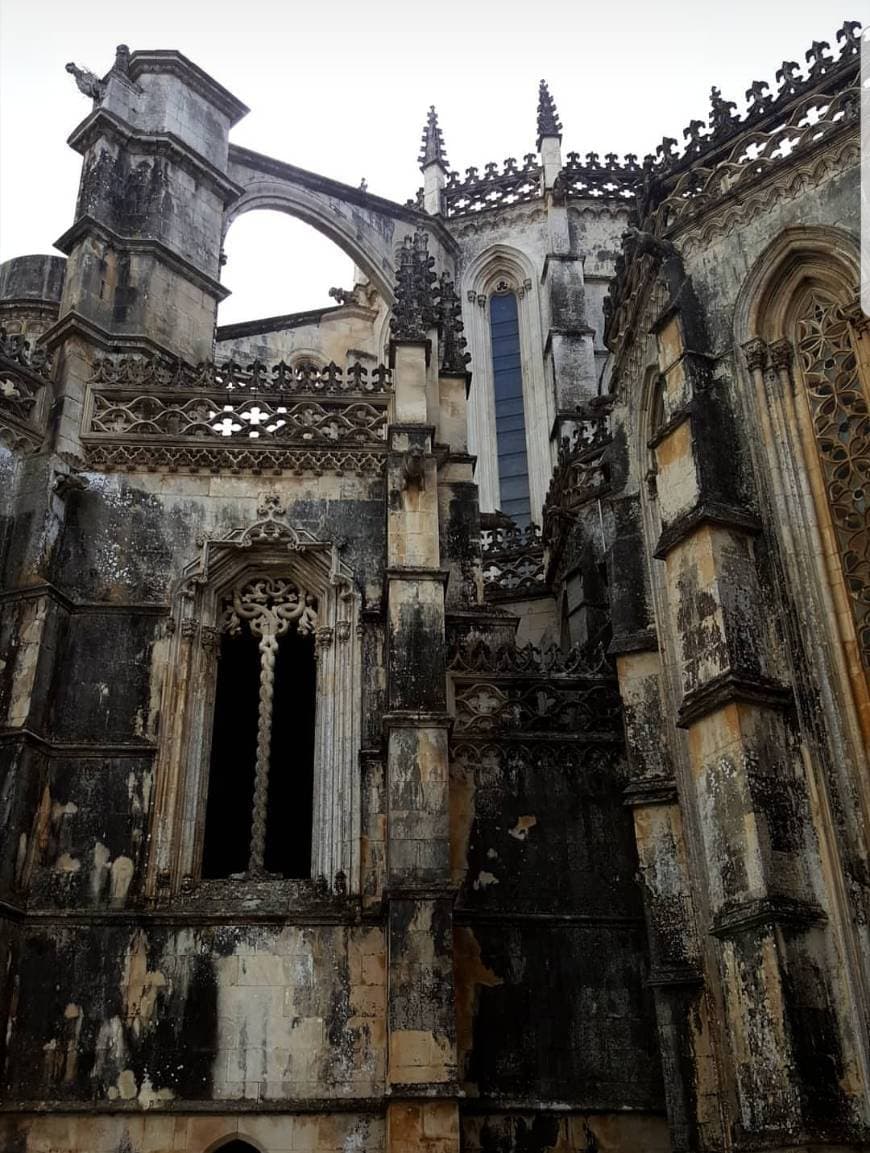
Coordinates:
[841,428]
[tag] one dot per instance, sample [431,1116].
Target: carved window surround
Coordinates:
[810,369]
[271,551]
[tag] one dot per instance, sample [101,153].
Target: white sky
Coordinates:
[342,87]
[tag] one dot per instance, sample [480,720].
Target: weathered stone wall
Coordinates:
[335,335]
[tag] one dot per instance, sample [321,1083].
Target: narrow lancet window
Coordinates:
[510,422]
[259,808]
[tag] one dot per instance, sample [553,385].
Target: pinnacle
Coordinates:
[549,123]
[432,150]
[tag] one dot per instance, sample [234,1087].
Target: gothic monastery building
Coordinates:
[438,722]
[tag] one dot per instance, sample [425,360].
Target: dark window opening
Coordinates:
[657,408]
[228,818]
[510,423]
[236,1147]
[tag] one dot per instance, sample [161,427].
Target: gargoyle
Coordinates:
[645,243]
[87,82]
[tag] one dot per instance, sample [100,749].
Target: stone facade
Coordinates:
[590,812]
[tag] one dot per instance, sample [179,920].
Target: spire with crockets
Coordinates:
[549,123]
[432,150]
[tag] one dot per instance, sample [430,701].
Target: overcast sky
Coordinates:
[342,87]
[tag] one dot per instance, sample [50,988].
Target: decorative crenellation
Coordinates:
[756,152]
[223,458]
[548,692]
[144,413]
[472,654]
[612,179]
[513,561]
[305,422]
[621,180]
[141,372]
[514,184]
[824,73]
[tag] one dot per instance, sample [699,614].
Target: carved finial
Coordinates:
[549,123]
[667,150]
[432,150]
[414,312]
[452,342]
[758,97]
[789,77]
[87,82]
[722,117]
[122,60]
[696,136]
[851,42]
[818,58]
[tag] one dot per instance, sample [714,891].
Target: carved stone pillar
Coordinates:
[421,1014]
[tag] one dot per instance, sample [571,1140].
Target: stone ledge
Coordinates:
[12,735]
[641,641]
[730,687]
[414,719]
[418,573]
[670,976]
[88,225]
[707,512]
[652,791]
[104,123]
[176,64]
[766,911]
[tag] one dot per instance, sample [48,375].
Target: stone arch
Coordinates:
[479,280]
[797,254]
[235,1143]
[377,263]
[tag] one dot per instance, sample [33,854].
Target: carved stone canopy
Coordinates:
[317,562]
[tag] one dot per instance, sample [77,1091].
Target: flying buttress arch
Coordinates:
[368,228]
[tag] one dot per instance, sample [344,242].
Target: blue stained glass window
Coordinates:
[510,422]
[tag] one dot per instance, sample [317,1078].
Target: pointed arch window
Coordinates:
[256,775]
[260,782]
[510,416]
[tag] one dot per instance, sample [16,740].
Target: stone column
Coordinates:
[421,1069]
